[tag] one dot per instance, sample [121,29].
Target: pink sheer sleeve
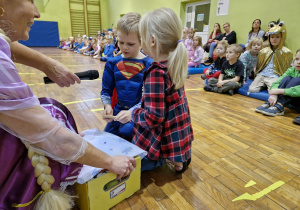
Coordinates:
[22,116]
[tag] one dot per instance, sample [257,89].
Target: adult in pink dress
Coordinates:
[44,125]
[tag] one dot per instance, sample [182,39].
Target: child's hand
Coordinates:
[273,99]
[123,117]
[207,72]
[220,84]
[108,111]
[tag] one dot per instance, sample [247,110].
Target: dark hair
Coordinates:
[297,51]
[219,30]
[250,32]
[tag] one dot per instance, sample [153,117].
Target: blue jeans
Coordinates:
[149,165]
[211,49]
[117,128]
[288,82]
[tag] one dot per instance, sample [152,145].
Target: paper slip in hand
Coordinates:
[109,116]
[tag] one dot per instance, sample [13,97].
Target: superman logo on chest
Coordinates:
[130,68]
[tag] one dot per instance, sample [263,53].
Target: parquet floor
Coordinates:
[233,145]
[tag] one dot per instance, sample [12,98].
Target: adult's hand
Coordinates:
[60,74]
[122,165]
[55,70]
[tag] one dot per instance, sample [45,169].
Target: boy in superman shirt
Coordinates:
[124,73]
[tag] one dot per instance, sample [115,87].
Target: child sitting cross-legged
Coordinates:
[284,91]
[214,70]
[198,52]
[232,73]
[250,57]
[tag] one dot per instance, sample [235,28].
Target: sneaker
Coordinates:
[261,108]
[230,92]
[208,88]
[203,76]
[208,61]
[297,120]
[276,110]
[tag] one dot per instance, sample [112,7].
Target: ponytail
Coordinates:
[165,26]
[178,65]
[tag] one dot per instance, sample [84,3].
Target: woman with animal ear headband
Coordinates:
[27,122]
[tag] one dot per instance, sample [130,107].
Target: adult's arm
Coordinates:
[36,128]
[55,70]
[231,38]
[219,37]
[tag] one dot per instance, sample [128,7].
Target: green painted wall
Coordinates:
[242,13]
[56,10]
[119,7]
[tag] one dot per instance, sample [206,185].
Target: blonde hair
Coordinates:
[226,24]
[224,43]
[236,48]
[166,28]
[191,30]
[3,35]
[255,40]
[199,38]
[129,23]
[50,199]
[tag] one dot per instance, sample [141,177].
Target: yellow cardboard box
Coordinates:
[98,194]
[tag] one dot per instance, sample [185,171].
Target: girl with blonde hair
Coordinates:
[163,124]
[198,56]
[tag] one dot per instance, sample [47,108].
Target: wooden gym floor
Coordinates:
[233,145]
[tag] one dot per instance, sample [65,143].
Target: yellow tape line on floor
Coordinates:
[247,196]
[76,102]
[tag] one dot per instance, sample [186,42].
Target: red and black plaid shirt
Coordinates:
[163,125]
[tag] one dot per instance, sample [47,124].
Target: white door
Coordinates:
[197,17]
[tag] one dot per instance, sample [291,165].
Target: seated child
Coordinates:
[214,70]
[189,42]
[198,56]
[90,51]
[284,91]
[250,57]
[232,73]
[125,74]
[81,44]
[108,50]
[100,49]
[273,60]
[61,41]
[117,50]
[86,45]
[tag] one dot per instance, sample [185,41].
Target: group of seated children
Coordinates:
[270,68]
[102,46]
